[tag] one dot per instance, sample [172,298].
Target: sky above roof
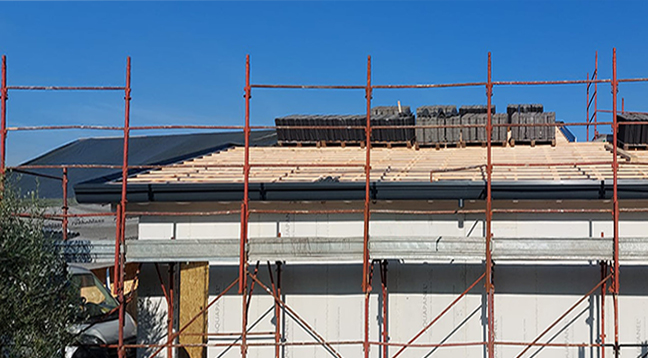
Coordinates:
[188,59]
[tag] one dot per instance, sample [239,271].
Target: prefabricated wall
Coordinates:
[325,291]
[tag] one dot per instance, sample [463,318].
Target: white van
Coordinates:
[102,325]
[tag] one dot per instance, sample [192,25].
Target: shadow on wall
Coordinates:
[344,279]
[644,349]
[151,325]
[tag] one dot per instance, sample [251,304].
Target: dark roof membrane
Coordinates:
[143,150]
[317,191]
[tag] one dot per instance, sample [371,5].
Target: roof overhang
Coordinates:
[318,191]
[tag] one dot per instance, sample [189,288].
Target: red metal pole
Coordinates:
[587,106]
[3,117]
[119,285]
[170,307]
[622,105]
[276,291]
[528,346]
[366,312]
[65,203]
[603,288]
[596,94]
[116,274]
[251,291]
[121,213]
[247,299]
[243,264]
[367,213]
[300,320]
[383,281]
[183,328]
[168,295]
[489,216]
[615,199]
[366,280]
[246,179]
[420,333]
[278,313]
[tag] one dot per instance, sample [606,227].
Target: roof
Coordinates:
[445,173]
[397,165]
[143,150]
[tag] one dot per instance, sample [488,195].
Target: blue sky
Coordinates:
[189,58]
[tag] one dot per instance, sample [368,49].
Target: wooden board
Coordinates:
[396,164]
[194,294]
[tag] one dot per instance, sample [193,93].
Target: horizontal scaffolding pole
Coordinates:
[550,211]
[558,82]
[505,343]
[294,344]
[306,212]
[308,86]
[182,213]
[445,310]
[419,126]
[186,126]
[63,127]
[41,175]
[67,88]
[427,212]
[60,216]
[446,85]
[559,164]
[555,322]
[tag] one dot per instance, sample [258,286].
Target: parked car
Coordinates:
[100,325]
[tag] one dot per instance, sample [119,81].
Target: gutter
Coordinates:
[93,192]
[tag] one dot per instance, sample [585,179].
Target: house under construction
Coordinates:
[382,248]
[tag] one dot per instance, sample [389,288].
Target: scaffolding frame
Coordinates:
[247,279]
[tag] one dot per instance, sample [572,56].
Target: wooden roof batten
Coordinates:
[401,164]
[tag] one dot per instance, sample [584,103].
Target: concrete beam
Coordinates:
[439,248]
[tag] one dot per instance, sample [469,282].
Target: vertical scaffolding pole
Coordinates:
[604,270]
[366,285]
[587,107]
[489,215]
[615,169]
[65,203]
[383,284]
[277,310]
[116,268]
[245,211]
[366,311]
[122,209]
[596,94]
[3,117]
[169,299]
[170,309]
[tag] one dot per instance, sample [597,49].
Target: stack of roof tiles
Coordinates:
[632,134]
[437,116]
[438,124]
[477,117]
[392,116]
[531,114]
[466,125]
[346,128]
[315,128]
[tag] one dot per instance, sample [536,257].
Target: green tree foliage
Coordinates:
[37,301]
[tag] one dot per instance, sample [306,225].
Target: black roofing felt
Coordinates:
[447,190]
[143,150]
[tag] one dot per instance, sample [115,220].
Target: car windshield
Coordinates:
[96,299]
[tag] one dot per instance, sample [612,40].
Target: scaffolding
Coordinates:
[248,279]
